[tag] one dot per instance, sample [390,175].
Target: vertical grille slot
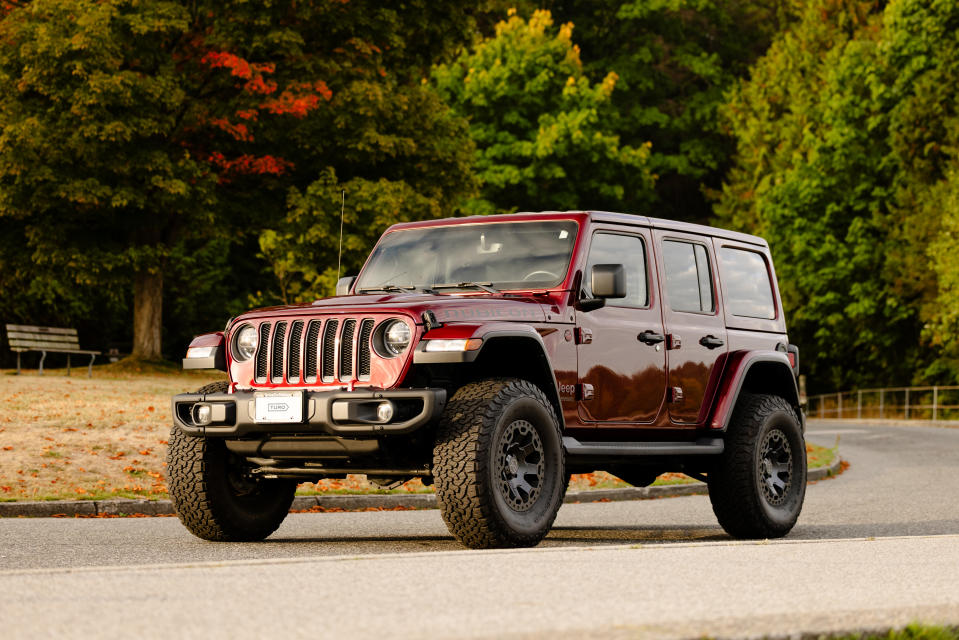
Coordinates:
[312,349]
[366,330]
[346,349]
[293,368]
[329,350]
[279,339]
[262,352]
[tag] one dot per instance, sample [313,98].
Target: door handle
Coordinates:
[711,342]
[650,337]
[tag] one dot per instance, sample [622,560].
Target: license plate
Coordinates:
[278,407]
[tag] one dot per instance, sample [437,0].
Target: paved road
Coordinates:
[878,545]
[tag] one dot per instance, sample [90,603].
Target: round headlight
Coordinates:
[245,342]
[396,337]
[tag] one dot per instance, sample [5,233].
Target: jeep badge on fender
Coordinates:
[492,357]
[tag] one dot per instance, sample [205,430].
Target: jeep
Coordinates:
[494,356]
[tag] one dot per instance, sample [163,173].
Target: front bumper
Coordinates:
[233,413]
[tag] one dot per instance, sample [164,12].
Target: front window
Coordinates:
[502,255]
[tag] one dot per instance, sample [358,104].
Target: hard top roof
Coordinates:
[595,216]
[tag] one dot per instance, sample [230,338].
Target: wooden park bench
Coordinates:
[47,339]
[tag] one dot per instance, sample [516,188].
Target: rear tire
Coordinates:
[213,493]
[758,486]
[499,464]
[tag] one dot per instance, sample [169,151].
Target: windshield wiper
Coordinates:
[484,286]
[394,288]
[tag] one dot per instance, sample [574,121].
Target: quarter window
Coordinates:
[689,283]
[749,292]
[629,251]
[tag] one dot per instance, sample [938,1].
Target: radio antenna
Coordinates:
[339,257]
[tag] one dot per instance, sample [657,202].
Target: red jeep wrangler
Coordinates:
[492,357]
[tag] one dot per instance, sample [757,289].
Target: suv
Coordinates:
[492,357]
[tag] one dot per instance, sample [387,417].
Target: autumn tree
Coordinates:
[137,135]
[540,125]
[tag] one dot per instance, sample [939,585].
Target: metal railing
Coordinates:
[894,403]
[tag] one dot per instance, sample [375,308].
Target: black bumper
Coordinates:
[234,413]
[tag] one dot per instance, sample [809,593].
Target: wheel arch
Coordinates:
[766,372]
[506,351]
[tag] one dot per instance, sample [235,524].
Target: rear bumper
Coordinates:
[233,413]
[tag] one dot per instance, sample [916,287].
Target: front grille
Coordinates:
[262,353]
[364,365]
[329,350]
[346,349]
[314,351]
[312,341]
[293,372]
[279,339]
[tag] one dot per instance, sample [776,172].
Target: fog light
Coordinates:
[384,411]
[202,414]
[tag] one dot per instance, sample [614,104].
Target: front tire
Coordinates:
[213,493]
[498,464]
[758,486]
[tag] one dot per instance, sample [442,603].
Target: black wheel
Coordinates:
[498,464]
[758,486]
[213,493]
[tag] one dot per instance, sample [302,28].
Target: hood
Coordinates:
[446,308]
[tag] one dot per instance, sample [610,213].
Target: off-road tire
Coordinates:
[743,501]
[473,496]
[208,503]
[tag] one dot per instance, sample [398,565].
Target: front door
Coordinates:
[696,330]
[620,347]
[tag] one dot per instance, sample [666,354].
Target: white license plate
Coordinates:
[284,406]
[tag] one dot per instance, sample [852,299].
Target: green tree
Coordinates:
[810,178]
[539,124]
[921,58]
[846,163]
[675,60]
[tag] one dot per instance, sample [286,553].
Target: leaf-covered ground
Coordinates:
[73,437]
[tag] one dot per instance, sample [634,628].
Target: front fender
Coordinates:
[485,332]
[756,371]
[206,351]
[518,340]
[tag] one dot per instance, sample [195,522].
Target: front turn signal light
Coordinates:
[471,344]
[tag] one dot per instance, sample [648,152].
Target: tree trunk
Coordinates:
[147,315]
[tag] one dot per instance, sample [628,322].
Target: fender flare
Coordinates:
[489,333]
[738,366]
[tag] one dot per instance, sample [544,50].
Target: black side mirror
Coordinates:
[343,285]
[608,281]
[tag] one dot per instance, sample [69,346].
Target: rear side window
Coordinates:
[749,292]
[613,248]
[689,283]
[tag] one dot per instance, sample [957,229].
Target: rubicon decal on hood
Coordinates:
[478,312]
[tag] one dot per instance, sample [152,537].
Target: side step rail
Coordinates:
[619,450]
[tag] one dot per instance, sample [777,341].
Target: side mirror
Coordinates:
[343,285]
[608,281]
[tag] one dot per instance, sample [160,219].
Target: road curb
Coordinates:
[360,502]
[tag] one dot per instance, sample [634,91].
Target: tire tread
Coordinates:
[460,463]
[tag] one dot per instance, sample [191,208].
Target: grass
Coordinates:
[68,438]
[911,632]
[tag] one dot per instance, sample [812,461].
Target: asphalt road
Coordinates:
[877,546]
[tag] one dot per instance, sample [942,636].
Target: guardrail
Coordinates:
[934,403]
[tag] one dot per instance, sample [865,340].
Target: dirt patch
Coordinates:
[68,438]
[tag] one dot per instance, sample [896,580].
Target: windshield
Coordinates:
[502,255]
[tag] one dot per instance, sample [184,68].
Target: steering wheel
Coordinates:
[529,276]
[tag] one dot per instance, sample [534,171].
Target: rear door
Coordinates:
[696,331]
